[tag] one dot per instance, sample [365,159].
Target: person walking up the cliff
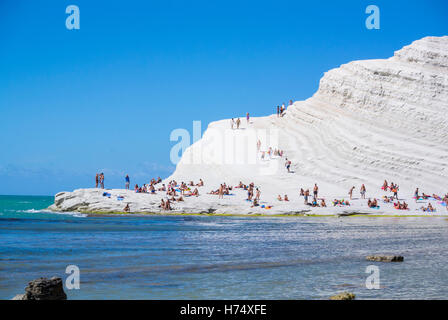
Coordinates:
[128,182]
[288,165]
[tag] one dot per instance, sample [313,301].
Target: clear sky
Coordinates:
[107,96]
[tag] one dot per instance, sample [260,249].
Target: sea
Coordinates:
[220,257]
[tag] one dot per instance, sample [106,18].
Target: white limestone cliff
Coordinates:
[369,121]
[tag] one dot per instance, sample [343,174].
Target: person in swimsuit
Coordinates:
[96,180]
[247,117]
[315,190]
[351,192]
[307,194]
[102,180]
[128,181]
[395,191]
[416,195]
[288,164]
[363,191]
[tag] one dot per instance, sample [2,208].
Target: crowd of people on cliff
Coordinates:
[177,192]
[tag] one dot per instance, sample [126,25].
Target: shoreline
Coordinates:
[167,214]
[111,202]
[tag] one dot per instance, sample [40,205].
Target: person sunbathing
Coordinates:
[255,203]
[302,192]
[314,203]
[279,198]
[162,204]
[372,204]
[322,203]
[167,205]
[180,199]
[384,187]
[286,198]
[195,192]
[163,188]
[429,208]
[425,196]
[240,185]
[127,208]
[201,183]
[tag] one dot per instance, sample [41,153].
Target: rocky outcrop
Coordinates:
[343,296]
[43,289]
[380,258]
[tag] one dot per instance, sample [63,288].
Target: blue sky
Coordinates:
[106,97]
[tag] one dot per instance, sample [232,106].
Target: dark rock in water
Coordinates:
[379,258]
[343,296]
[43,289]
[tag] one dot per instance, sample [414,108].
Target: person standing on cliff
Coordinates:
[315,190]
[278,111]
[102,180]
[238,122]
[96,180]
[128,182]
[351,192]
[247,117]
[363,191]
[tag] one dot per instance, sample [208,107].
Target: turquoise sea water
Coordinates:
[206,257]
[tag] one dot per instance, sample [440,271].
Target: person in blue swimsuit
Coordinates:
[128,182]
